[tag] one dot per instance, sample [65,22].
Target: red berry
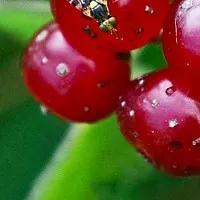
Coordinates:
[70,84]
[159,118]
[137,22]
[182,34]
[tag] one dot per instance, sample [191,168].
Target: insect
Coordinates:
[97,9]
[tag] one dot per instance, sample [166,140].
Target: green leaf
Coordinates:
[95,163]
[15,31]
[91,157]
[27,138]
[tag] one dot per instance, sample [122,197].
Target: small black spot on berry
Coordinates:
[88,31]
[103,84]
[123,56]
[93,35]
[176,144]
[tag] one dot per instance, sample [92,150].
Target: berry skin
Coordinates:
[71,85]
[162,122]
[137,23]
[182,34]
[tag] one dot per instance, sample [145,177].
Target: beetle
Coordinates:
[98,10]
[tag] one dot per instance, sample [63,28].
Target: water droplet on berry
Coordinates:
[132,113]
[141,82]
[139,30]
[140,85]
[172,123]
[149,10]
[62,69]
[123,103]
[43,109]
[196,142]
[174,166]
[42,36]
[154,103]
[170,90]
[86,108]
[44,60]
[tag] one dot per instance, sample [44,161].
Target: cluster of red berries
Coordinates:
[74,69]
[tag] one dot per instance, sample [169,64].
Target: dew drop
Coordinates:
[141,82]
[196,142]
[86,108]
[140,85]
[170,91]
[123,103]
[62,69]
[149,10]
[172,123]
[154,103]
[42,36]
[43,109]
[44,60]
[142,89]
[174,166]
[132,113]
[139,30]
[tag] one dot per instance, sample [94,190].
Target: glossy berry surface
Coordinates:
[182,34]
[137,23]
[69,84]
[158,117]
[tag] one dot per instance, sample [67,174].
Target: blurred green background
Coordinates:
[44,158]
